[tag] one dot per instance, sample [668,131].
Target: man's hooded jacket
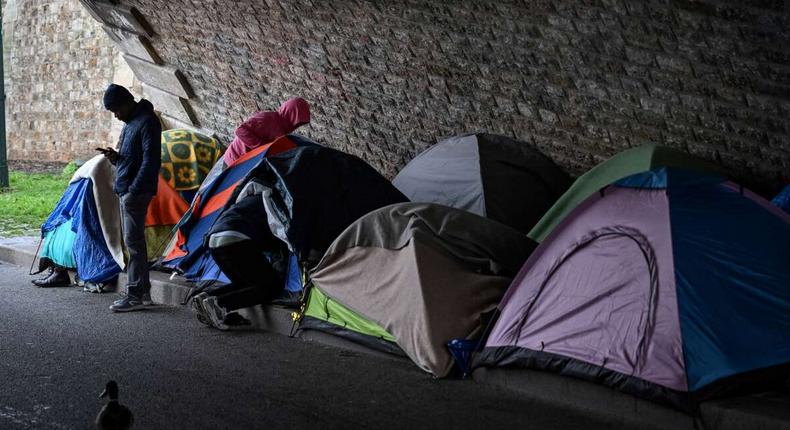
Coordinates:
[140,152]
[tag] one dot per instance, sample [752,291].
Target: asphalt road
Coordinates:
[58,347]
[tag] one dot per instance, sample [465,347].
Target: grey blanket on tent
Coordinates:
[425,273]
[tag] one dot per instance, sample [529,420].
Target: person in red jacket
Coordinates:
[265,126]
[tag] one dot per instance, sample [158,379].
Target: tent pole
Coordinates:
[3,160]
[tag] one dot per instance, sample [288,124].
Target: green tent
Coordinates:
[325,314]
[410,277]
[626,163]
[320,306]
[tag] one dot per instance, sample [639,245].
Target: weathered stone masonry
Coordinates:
[579,79]
[57,63]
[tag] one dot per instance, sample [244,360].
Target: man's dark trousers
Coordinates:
[133,211]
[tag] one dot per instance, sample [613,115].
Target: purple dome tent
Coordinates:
[670,285]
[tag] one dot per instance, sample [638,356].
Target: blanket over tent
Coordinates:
[189,252]
[424,273]
[83,230]
[102,174]
[187,158]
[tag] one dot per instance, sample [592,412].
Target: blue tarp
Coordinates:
[782,200]
[198,265]
[87,250]
[69,204]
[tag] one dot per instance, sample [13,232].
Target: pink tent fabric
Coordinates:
[594,306]
[669,284]
[264,127]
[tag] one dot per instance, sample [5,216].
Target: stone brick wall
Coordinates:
[57,64]
[579,79]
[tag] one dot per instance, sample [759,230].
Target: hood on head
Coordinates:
[295,111]
[144,105]
[266,126]
[261,128]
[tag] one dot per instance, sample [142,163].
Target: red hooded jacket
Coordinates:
[264,127]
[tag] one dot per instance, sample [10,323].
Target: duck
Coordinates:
[113,416]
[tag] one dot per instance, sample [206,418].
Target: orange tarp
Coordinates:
[167,207]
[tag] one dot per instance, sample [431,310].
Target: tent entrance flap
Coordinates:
[601,252]
[322,307]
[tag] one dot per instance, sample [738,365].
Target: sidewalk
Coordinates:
[761,411]
[277,319]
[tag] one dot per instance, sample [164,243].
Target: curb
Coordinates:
[762,411]
[22,250]
[620,409]
[18,250]
[170,292]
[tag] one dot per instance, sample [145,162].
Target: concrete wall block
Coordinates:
[132,44]
[165,78]
[120,16]
[170,104]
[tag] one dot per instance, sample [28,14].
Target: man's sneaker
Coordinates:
[91,287]
[146,299]
[233,319]
[44,276]
[215,313]
[127,304]
[196,304]
[58,278]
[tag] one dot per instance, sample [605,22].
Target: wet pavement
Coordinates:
[58,347]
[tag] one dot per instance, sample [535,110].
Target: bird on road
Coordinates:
[113,416]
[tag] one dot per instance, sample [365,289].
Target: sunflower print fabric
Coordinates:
[187,157]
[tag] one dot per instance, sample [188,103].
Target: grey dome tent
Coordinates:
[412,277]
[486,174]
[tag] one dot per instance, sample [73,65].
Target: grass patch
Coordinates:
[25,205]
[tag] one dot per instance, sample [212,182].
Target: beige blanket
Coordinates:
[102,173]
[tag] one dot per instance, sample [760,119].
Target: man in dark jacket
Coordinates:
[137,162]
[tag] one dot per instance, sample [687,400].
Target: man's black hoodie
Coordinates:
[140,152]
